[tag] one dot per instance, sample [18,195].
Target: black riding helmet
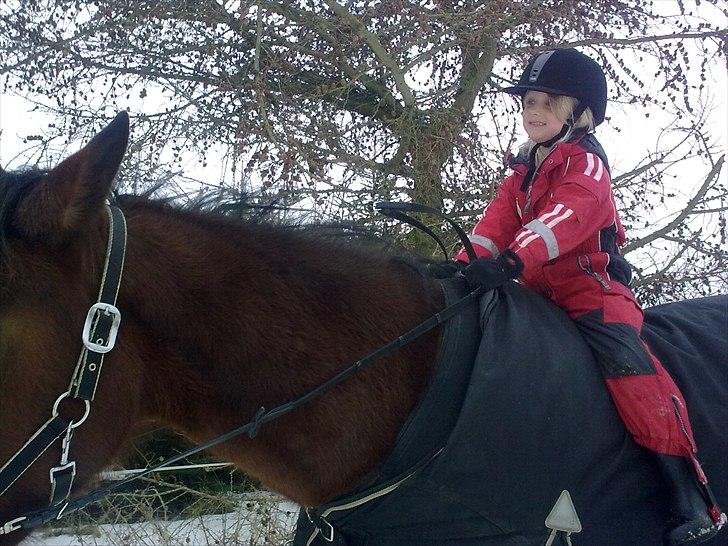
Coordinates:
[566,72]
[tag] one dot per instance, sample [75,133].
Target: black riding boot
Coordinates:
[692,523]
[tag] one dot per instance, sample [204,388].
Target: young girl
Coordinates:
[554,225]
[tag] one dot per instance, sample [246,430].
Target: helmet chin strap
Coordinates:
[575,115]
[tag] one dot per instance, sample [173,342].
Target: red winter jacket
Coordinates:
[566,221]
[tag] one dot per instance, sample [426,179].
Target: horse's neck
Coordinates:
[244,317]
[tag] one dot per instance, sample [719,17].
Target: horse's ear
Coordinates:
[72,192]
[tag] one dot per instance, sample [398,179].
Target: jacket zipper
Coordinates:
[588,269]
[527,208]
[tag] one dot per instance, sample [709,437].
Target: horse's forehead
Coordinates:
[15,184]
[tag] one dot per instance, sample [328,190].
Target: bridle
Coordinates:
[98,338]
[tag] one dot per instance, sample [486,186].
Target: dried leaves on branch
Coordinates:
[339,103]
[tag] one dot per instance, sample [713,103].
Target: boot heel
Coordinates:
[689,507]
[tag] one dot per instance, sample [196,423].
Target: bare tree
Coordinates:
[338,104]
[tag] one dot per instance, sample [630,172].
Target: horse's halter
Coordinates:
[99,337]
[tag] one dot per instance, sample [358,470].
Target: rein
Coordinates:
[99,336]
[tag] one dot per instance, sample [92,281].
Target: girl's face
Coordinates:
[539,121]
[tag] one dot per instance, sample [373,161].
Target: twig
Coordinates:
[378,49]
[683,214]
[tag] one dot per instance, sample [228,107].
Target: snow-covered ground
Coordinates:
[272,526]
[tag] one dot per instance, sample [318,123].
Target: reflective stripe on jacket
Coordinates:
[567,211]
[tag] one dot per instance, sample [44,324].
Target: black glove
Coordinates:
[488,273]
[445,270]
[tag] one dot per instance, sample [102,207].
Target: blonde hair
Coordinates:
[563,108]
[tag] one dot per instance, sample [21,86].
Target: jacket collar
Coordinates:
[519,162]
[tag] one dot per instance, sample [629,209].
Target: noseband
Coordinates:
[98,337]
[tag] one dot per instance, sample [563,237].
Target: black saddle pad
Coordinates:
[530,418]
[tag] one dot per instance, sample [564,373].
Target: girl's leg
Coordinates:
[648,400]
[654,412]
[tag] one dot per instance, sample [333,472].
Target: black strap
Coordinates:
[53,429]
[62,479]
[576,114]
[88,371]
[91,361]
[101,331]
[115,256]
[402,217]
[531,167]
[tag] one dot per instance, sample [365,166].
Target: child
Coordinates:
[554,225]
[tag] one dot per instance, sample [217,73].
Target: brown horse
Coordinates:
[219,318]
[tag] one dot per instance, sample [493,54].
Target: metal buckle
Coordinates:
[54,483]
[12,525]
[98,346]
[57,469]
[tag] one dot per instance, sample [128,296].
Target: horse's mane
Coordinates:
[223,207]
[250,209]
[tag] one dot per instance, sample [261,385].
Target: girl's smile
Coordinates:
[539,121]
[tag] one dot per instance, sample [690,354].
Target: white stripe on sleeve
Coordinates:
[589,164]
[600,169]
[525,242]
[559,219]
[556,210]
[524,233]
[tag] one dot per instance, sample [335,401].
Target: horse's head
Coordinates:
[53,233]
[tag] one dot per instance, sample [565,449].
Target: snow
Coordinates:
[272,526]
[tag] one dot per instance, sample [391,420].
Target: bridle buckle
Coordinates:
[99,345]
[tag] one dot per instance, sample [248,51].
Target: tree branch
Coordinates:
[722,34]
[683,214]
[373,42]
[477,66]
